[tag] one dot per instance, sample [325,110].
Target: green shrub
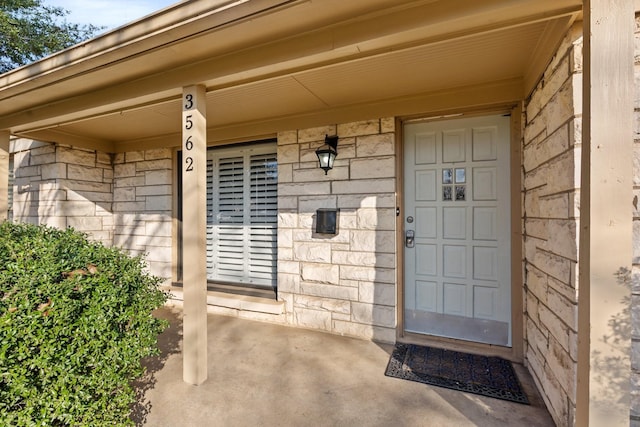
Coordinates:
[75,322]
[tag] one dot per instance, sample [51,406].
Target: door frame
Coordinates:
[514,353]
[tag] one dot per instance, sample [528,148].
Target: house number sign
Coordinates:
[188,132]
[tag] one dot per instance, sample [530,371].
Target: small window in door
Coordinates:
[454,186]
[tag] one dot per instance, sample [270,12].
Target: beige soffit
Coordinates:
[269,65]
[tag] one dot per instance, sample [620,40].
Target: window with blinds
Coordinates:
[242,215]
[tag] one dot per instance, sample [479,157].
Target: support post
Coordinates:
[194,189]
[4,175]
[604,318]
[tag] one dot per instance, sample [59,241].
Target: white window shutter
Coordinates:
[242,215]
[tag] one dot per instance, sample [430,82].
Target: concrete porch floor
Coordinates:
[269,375]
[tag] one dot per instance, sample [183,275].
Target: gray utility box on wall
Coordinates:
[327,221]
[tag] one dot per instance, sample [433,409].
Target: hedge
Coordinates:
[75,322]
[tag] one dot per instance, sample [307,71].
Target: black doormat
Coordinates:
[488,376]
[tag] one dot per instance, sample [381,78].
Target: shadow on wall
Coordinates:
[148,234]
[620,327]
[29,204]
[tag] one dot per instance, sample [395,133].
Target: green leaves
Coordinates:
[30,30]
[75,322]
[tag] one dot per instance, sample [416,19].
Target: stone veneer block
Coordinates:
[373,241]
[322,273]
[374,167]
[54,171]
[324,304]
[387,125]
[288,283]
[158,203]
[158,153]
[158,177]
[152,165]
[316,174]
[154,190]
[316,319]
[364,186]
[373,314]
[76,156]
[43,159]
[287,137]
[135,181]
[366,127]
[313,203]
[376,219]
[344,256]
[377,293]
[375,145]
[320,188]
[329,291]
[554,325]
[315,134]
[134,156]
[85,223]
[84,173]
[313,252]
[288,154]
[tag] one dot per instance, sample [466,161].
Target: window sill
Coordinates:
[235,301]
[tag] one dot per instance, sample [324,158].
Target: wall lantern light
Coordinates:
[327,153]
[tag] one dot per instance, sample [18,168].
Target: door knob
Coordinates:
[409,238]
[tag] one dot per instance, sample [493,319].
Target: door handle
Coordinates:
[409,238]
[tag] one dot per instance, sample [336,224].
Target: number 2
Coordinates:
[189,162]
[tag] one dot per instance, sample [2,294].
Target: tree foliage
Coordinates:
[30,30]
[75,322]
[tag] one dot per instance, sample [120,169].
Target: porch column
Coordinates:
[194,204]
[4,175]
[604,318]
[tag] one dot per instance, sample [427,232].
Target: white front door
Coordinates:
[457,229]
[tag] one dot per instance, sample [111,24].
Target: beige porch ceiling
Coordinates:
[270,65]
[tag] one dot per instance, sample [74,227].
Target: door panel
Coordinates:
[457,271]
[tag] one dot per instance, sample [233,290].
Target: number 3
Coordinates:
[189,104]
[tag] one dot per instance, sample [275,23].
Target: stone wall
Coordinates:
[123,200]
[143,206]
[551,168]
[345,283]
[63,187]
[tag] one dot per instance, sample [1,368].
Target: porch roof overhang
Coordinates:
[271,65]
